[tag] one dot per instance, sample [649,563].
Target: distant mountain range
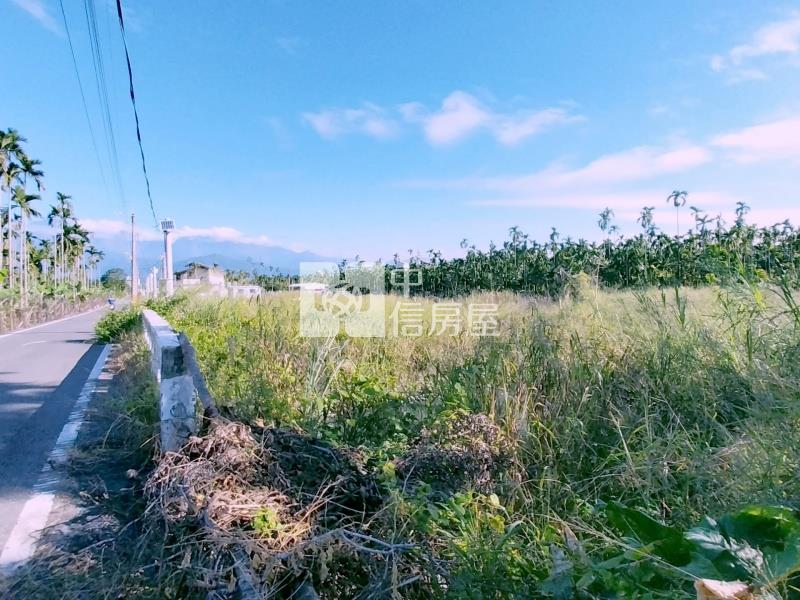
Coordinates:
[228,255]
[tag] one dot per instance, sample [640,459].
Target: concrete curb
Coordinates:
[177,390]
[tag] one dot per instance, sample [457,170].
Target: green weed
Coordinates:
[114,324]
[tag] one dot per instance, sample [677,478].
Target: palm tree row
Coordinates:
[710,252]
[65,260]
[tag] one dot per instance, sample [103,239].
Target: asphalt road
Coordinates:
[42,371]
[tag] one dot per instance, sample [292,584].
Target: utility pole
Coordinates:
[167,225]
[153,279]
[134,266]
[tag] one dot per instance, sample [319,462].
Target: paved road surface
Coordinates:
[42,372]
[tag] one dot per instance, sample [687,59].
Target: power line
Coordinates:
[102,92]
[83,97]
[135,112]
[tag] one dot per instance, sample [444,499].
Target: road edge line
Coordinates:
[21,543]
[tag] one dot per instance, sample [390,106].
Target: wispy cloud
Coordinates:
[38,11]
[635,164]
[777,38]
[777,140]
[585,200]
[110,228]
[223,234]
[627,204]
[460,115]
[628,180]
[369,119]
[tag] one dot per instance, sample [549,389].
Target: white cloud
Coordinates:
[740,75]
[370,120]
[781,37]
[589,201]
[109,228]
[641,162]
[460,115]
[626,204]
[513,129]
[642,176]
[636,164]
[717,63]
[37,10]
[627,207]
[222,234]
[768,141]
[778,38]
[771,216]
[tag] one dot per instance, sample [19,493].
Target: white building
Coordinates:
[211,281]
[198,274]
[243,291]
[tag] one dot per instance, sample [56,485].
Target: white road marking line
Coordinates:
[33,518]
[5,335]
[36,342]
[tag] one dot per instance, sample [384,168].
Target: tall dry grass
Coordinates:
[682,402]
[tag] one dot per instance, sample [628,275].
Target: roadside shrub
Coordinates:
[115,323]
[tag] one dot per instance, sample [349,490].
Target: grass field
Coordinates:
[508,462]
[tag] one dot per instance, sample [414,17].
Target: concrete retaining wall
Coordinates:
[177,404]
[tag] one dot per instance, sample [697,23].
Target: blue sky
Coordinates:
[377,127]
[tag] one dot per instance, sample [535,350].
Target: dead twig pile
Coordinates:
[296,508]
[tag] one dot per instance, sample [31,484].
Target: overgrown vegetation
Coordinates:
[496,458]
[711,252]
[116,323]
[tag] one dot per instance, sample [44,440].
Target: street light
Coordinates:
[168,226]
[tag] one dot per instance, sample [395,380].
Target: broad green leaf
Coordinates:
[761,525]
[665,542]
[732,559]
[758,543]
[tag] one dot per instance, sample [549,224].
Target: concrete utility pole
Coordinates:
[167,226]
[134,266]
[152,280]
